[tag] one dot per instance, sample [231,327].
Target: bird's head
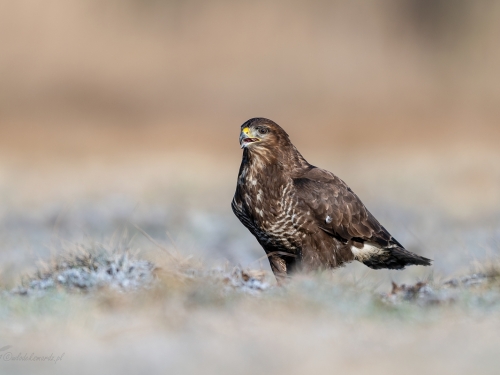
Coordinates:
[269,144]
[262,134]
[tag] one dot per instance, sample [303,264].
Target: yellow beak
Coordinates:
[246,138]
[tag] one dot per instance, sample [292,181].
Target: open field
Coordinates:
[193,318]
[119,152]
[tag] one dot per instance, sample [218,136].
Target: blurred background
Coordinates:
[123,113]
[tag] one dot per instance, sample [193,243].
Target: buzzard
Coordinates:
[305,217]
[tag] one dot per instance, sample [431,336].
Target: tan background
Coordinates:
[142,100]
[145,98]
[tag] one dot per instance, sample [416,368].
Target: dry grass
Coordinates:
[190,318]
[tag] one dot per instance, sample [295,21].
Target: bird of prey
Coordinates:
[305,217]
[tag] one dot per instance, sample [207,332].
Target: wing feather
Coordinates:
[337,210]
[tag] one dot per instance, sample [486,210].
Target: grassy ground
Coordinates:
[182,316]
[154,274]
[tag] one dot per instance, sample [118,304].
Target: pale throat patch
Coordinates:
[365,252]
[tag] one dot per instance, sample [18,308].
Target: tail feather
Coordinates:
[395,258]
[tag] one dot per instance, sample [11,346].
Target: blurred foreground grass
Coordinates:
[192,318]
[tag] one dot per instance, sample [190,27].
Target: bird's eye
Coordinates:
[262,130]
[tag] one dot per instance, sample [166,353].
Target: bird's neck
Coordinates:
[297,162]
[264,162]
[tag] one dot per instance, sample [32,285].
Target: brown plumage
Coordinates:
[304,217]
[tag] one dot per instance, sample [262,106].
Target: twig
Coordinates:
[151,239]
[272,253]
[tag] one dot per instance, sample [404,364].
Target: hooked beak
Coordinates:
[246,138]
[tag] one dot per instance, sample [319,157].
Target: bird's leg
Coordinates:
[278,265]
[283,265]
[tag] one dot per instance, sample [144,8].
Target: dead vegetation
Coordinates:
[96,267]
[87,269]
[164,308]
